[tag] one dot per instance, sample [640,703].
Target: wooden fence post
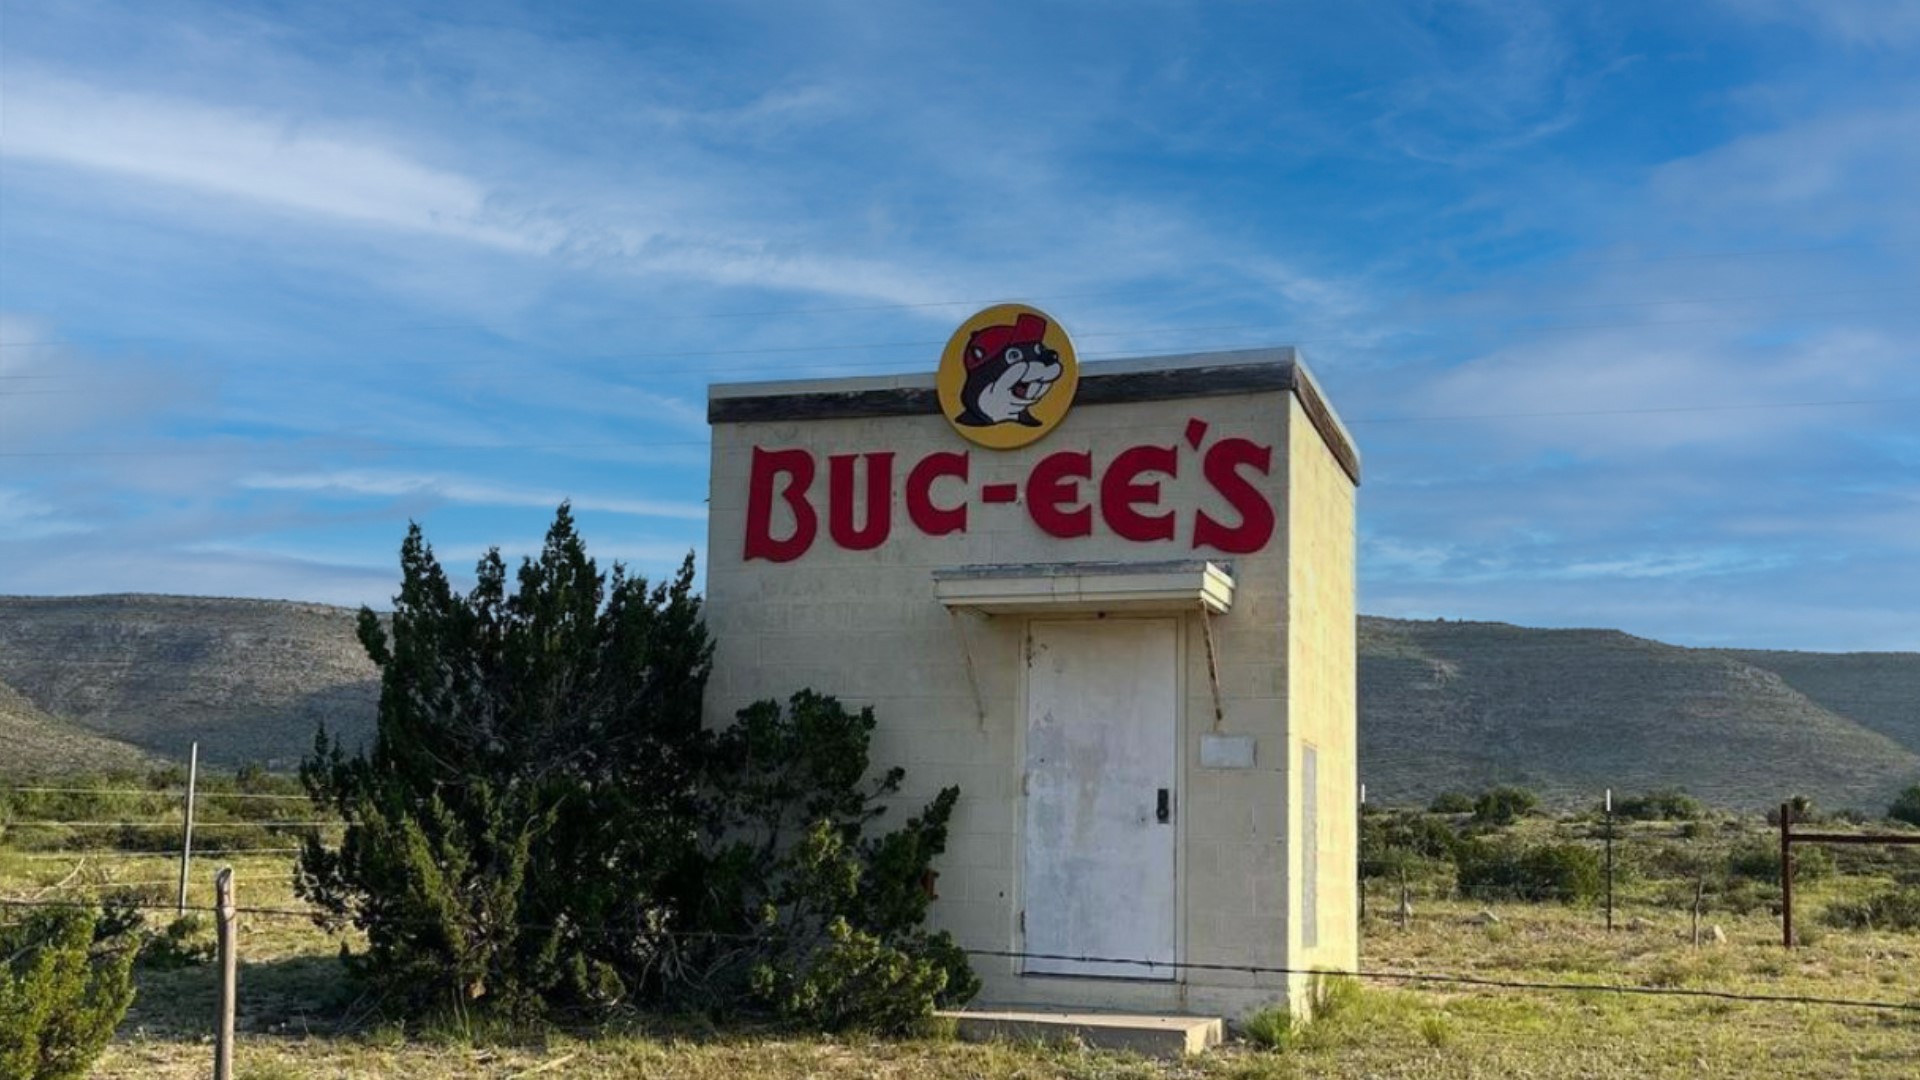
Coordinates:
[227,926]
[186,837]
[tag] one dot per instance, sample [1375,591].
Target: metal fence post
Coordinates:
[1361,863]
[186,836]
[1609,860]
[227,924]
[1786,875]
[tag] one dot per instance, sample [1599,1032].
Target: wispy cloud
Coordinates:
[1881,23]
[454,489]
[274,161]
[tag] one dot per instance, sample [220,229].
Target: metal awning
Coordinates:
[1038,588]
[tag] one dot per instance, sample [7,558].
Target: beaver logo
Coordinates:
[1007,377]
[1009,369]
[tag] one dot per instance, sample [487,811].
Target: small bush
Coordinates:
[1759,860]
[1399,841]
[1895,908]
[1906,807]
[1329,996]
[1451,802]
[1505,805]
[186,942]
[1437,1030]
[855,981]
[1805,812]
[1333,995]
[1507,870]
[63,989]
[1273,1029]
[1673,805]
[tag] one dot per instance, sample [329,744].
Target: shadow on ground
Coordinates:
[295,996]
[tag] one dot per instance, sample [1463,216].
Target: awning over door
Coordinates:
[1038,588]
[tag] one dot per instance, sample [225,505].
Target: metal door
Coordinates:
[1102,751]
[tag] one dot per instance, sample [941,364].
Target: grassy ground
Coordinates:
[294,1000]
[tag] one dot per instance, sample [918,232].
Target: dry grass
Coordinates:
[294,1000]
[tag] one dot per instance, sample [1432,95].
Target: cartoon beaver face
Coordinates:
[1009,369]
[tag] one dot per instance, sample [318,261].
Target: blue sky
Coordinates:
[1589,282]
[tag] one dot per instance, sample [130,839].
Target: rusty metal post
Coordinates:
[1786,875]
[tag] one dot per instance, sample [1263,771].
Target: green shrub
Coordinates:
[785,857]
[185,942]
[1894,908]
[1272,1029]
[1805,811]
[544,827]
[1504,805]
[1672,805]
[1330,996]
[1333,995]
[854,980]
[1396,841]
[63,989]
[1508,870]
[1906,807]
[1759,860]
[1451,802]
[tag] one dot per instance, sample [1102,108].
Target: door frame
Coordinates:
[1016,913]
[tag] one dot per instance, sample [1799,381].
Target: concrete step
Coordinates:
[1154,1035]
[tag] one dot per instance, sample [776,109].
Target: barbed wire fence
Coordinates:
[190,819]
[1624,851]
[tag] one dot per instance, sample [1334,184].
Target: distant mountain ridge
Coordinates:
[248,679]
[1459,705]
[1443,705]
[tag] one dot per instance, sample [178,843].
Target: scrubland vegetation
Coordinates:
[302,1015]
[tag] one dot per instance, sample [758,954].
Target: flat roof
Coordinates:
[1102,382]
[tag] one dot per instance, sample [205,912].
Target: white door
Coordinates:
[1102,749]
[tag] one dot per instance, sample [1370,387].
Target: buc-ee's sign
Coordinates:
[1007,378]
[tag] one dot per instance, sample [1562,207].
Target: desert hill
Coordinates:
[247,679]
[1443,705]
[1458,705]
[34,743]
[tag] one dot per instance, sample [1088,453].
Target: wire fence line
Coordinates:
[1432,978]
[171,821]
[122,853]
[170,793]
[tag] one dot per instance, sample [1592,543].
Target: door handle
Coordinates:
[1163,807]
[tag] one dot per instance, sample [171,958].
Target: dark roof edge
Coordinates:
[1104,383]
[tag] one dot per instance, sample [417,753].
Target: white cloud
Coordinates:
[1828,175]
[1883,23]
[272,160]
[1640,393]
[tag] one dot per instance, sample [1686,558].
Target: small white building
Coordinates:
[1114,603]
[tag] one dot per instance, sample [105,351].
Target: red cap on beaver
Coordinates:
[989,341]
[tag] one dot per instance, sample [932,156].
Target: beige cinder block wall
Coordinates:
[867,627]
[1322,699]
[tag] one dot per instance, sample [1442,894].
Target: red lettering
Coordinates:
[1121,490]
[1221,467]
[798,467]
[879,501]
[1051,485]
[928,518]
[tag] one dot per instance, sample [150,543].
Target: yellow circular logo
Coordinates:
[1007,377]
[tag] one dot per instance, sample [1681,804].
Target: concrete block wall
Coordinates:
[866,627]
